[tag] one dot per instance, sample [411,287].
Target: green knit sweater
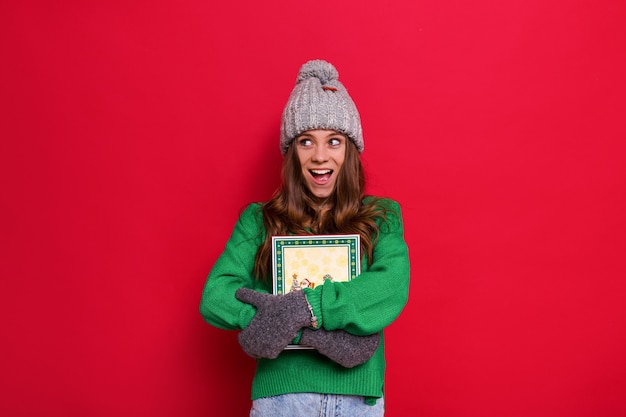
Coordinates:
[363,306]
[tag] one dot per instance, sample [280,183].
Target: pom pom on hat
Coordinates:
[319,101]
[317,68]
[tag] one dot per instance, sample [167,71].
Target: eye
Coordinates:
[304,142]
[335,141]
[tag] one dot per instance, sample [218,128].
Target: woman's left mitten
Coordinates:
[342,347]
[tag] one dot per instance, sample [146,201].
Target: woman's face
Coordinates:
[321,154]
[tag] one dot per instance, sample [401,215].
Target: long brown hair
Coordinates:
[294,209]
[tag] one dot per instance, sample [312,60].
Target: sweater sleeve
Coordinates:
[375,298]
[233,270]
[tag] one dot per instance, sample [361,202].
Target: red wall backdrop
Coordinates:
[133,132]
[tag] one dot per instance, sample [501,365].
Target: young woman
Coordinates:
[322,192]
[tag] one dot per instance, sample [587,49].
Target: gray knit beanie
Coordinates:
[319,101]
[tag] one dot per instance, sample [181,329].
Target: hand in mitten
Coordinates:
[276,323]
[342,347]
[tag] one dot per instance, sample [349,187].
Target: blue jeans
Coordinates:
[316,405]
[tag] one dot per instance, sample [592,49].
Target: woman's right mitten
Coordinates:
[276,323]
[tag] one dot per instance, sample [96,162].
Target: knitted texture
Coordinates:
[363,306]
[277,321]
[320,101]
[342,347]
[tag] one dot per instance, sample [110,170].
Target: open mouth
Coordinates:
[321,176]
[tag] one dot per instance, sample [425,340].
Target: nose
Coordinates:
[320,154]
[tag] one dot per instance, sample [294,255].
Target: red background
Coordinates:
[134,132]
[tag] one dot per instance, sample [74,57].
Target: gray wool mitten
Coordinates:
[276,323]
[342,347]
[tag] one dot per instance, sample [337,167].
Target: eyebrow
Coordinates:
[308,135]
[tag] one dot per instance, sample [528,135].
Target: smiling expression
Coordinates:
[321,154]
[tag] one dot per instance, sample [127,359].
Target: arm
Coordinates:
[233,270]
[232,299]
[374,299]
